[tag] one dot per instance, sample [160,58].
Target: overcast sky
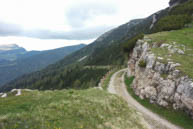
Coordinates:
[48,24]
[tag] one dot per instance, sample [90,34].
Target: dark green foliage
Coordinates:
[111,55]
[186,8]
[128,82]
[172,22]
[172,2]
[142,64]
[176,19]
[76,77]
[128,45]
[114,53]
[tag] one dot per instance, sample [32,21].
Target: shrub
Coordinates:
[128,45]
[142,64]
[186,8]
[172,22]
[177,18]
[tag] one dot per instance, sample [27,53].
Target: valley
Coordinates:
[17,62]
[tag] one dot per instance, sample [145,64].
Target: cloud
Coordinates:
[85,33]
[70,19]
[78,14]
[81,34]
[7,29]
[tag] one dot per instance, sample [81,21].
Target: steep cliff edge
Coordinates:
[163,70]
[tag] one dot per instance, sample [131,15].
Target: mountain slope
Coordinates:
[11,52]
[106,50]
[33,61]
[108,43]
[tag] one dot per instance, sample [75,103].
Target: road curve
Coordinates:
[117,86]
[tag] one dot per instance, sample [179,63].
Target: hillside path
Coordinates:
[117,86]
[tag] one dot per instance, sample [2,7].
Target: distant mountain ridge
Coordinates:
[9,47]
[22,62]
[11,52]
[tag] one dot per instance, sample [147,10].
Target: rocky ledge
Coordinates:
[161,83]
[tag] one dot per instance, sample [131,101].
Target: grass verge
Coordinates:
[176,117]
[108,78]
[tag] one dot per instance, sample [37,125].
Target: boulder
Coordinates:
[150,61]
[150,92]
[162,102]
[4,95]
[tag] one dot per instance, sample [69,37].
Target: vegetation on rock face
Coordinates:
[67,109]
[142,64]
[128,45]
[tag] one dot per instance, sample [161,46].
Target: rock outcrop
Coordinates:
[14,92]
[161,83]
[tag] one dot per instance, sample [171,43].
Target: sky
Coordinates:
[49,24]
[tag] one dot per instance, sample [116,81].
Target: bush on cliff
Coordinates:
[130,44]
[142,64]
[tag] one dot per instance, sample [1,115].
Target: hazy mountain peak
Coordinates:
[8,47]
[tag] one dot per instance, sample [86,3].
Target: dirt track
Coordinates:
[117,86]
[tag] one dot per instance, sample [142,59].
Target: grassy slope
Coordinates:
[176,117]
[181,37]
[71,109]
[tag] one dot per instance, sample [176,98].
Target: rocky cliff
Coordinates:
[159,79]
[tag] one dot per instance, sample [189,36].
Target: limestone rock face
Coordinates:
[172,89]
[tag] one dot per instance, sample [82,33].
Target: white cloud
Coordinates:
[63,16]
[39,44]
